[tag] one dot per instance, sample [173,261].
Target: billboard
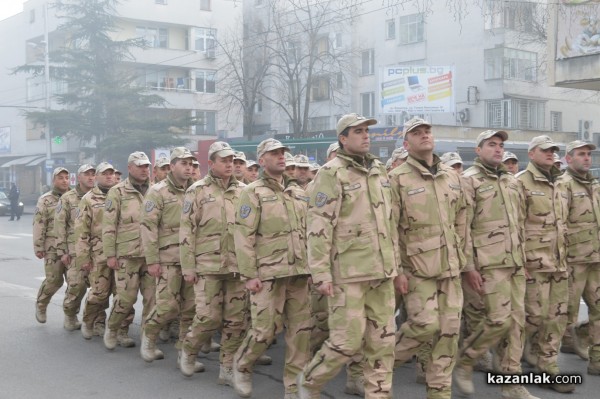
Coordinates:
[578,28]
[417,89]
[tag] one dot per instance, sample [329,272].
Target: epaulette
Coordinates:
[472,171]
[520,173]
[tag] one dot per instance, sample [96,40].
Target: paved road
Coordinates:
[46,361]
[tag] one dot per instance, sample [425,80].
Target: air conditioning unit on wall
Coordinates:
[585,130]
[462,116]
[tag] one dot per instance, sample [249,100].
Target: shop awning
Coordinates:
[29,160]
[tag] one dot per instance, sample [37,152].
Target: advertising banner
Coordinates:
[417,89]
[578,28]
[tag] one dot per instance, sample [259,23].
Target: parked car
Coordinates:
[5,205]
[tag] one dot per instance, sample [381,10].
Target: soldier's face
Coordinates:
[117,178]
[182,169]
[140,172]
[222,167]
[302,175]
[273,162]
[196,174]
[580,159]
[512,166]
[239,168]
[252,173]
[106,178]
[491,151]
[419,140]
[87,179]
[162,172]
[542,158]
[61,182]
[290,171]
[358,141]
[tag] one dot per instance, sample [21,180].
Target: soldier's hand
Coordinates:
[190,278]
[86,267]
[154,270]
[254,285]
[40,254]
[527,275]
[401,284]
[473,278]
[112,262]
[65,259]
[325,289]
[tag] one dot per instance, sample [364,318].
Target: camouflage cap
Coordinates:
[451,158]
[138,158]
[269,145]
[181,153]
[118,172]
[58,170]
[578,144]
[250,164]
[195,162]
[556,158]
[544,142]
[353,119]
[301,161]
[509,155]
[333,147]
[488,134]
[221,149]
[399,153]
[314,167]
[240,155]
[85,168]
[388,164]
[103,167]
[289,159]
[160,162]
[413,123]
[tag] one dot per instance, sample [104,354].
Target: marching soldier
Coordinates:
[64,228]
[159,225]
[90,253]
[251,174]
[161,169]
[290,166]
[239,165]
[453,160]
[583,251]
[430,209]
[44,242]
[546,294]
[494,272]
[122,248]
[208,261]
[352,253]
[196,174]
[303,175]
[511,162]
[270,246]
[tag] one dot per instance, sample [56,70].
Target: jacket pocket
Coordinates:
[271,257]
[424,254]
[208,254]
[356,256]
[490,248]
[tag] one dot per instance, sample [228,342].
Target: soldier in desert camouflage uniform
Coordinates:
[495,264]
[44,242]
[353,258]
[161,169]
[546,293]
[208,261]
[90,254]
[196,174]
[64,229]
[251,174]
[239,165]
[431,245]
[302,170]
[122,248]
[159,227]
[583,250]
[270,245]
[511,162]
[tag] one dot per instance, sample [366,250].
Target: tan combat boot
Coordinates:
[242,381]
[516,392]
[87,330]
[110,339]
[463,379]
[99,329]
[210,346]
[303,391]
[148,349]
[225,375]
[187,363]
[164,334]
[71,323]
[40,313]
[593,368]
[528,355]
[124,339]
[484,363]
[580,347]
[355,386]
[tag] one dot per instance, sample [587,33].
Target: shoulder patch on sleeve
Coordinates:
[108,204]
[149,206]
[321,199]
[187,205]
[245,211]
[59,207]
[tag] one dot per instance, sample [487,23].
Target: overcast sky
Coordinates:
[10,7]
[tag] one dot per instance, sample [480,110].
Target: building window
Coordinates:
[318,123]
[205,5]
[205,81]
[205,41]
[207,123]
[319,88]
[153,37]
[556,121]
[339,80]
[368,62]
[520,16]
[510,63]
[337,42]
[323,45]
[292,52]
[390,29]
[258,106]
[367,104]
[412,28]
[515,113]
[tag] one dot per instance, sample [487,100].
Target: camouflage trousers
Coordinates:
[221,304]
[101,279]
[131,277]
[584,280]
[502,320]
[320,332]
[55,273]
[286,298]
[434,307]
[361,321]
[77,284]
[174,297]
[546,301]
